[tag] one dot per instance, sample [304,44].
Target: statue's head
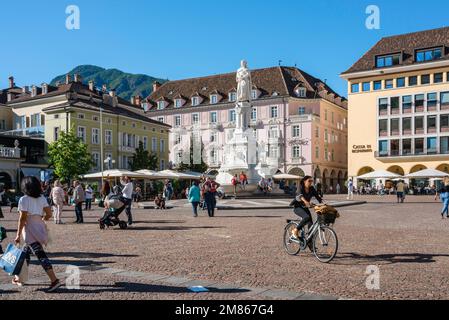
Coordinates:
[244,64]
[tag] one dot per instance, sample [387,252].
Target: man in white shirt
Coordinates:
[127,197]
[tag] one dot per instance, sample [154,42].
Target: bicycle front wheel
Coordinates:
[292,246]
[325,244]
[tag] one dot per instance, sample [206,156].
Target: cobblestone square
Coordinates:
[239,255]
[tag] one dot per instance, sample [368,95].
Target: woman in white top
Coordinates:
[58,196]
[34,210]
[89,196]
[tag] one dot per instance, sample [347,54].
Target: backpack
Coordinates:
[234,181]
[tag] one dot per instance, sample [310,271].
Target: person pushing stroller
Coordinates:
[114,205]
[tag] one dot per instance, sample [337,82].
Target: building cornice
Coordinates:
[393,70]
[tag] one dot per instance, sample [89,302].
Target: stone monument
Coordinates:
[241,152]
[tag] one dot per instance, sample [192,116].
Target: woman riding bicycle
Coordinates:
[306,193]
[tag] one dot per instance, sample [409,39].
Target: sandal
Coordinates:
[17,282]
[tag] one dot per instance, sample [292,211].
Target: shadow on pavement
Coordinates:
[172,228]
[219,216]
[160,221]
[361,259]
[92,255]
[139,288]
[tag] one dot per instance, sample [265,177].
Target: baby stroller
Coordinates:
[111,215]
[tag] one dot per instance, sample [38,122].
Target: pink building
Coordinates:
[301,121]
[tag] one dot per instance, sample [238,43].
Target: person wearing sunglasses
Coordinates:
[304,199]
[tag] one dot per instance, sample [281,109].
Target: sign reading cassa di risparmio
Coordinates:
[362,148]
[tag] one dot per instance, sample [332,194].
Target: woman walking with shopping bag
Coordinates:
[34,210]
[58,197]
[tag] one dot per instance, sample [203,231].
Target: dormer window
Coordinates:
[254,94]
[301,92]
[160,105]
[145,106]
[428,54]
[388,60]
[232,96]
[195,101]
[178,103]
[213,99]
[275,94]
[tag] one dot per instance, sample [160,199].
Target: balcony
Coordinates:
[9,153]
[409,155]
[32,132]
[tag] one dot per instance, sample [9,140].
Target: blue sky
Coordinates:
[178,39]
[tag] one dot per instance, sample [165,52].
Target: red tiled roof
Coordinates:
[280,80]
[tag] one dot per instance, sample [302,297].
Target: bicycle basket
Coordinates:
[327,218]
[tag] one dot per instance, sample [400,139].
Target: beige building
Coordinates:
[398,105]
[43,112]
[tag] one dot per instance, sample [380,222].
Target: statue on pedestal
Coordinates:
[244,83]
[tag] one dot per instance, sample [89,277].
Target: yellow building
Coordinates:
[398,105]
[45,111]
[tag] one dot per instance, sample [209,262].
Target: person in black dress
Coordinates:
[306,193]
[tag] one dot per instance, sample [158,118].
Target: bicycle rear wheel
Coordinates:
[292,246]
[325,244]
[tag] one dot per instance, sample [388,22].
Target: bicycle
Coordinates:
[321,239]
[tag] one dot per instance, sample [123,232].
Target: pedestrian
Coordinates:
[350,190]
[34,210]
[138,194]
[195,197]
[160,202]
[210,200]
[235,182]
[127,197]
[263,185]
[242,179]
[2,192]
[400,189]
[78,198]
[58,199]
[444,196]
[89,195]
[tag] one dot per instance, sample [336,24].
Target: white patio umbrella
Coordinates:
[116,173]
[427,174]
[379,174]
[198,174]
[152,175]
[286,176]
[171,174]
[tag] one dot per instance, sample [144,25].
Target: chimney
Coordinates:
[33,91]
[138,100]
[104,88]
[67,78]
[91,85]
[44,88]
[11,82]
[25,89]
[156,86]
[78,78]
[133,100]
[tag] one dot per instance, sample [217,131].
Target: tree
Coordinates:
[69,156]
[191,166]
[143,159]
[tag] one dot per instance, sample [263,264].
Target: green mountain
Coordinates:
[125,84]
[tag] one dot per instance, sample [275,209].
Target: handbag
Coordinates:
[3,235]
[12,260]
